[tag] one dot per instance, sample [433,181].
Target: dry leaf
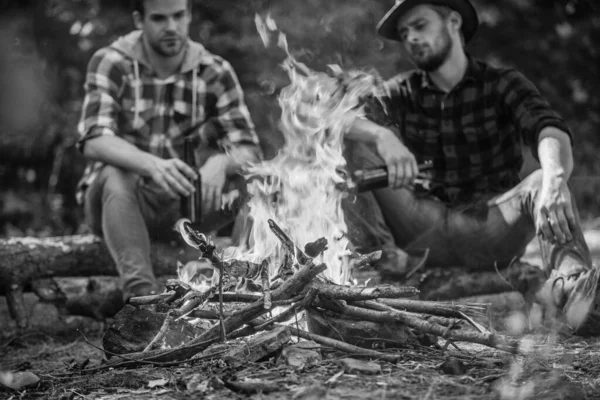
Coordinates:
[18,380]
[157,382]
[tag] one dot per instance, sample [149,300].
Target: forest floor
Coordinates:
[550,367]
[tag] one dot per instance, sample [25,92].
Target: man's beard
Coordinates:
[435,60]
[168,47]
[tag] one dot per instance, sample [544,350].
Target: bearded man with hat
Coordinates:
[469,121]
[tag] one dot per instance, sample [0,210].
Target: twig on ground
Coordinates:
[161,332]
[348,348]
[221,323]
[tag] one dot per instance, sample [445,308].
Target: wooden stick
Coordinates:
[490,340]
[443,321]
[287,290]
[443,309]
[355,293]
[376,305]
[288,244]
[360,260]
[228,297]
[291,311]
[222,333]
[207,314]
[149,300]
[161,333]
[348,348]
[266,285]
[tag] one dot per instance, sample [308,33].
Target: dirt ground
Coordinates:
[550,367]
[561,369]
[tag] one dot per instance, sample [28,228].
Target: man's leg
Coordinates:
[113,210]
[477,235]
[395,218]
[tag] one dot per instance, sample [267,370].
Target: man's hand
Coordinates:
[555,218]
[214,174]
[401,163]
[173,176]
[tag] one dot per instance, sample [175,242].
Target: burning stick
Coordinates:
[286,269]
[288,244]
[290,312]
[266,287]
[287,290]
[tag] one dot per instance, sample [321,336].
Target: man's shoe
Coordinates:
[396,264]
[571,293]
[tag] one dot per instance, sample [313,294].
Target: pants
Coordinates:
[129,212]
[484,234]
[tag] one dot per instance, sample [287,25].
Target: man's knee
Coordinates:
[117,181]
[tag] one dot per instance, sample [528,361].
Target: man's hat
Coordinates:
[387,27]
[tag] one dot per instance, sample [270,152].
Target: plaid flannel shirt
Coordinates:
[125,98]
[473,135]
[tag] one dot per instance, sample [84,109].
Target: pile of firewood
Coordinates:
[298,293]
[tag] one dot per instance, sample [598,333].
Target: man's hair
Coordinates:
[138,5]
[444,12]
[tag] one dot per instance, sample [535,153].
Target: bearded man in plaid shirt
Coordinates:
[469,120]
[142,93]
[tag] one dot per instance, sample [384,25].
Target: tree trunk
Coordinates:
[25,260]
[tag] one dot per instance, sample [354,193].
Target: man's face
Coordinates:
[426,37]
[165,24]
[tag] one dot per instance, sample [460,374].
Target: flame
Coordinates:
[299,188]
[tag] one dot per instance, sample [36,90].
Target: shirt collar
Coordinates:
[472,74]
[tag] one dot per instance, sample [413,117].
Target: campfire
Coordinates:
[295,274]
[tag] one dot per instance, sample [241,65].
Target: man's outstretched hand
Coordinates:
[555,218]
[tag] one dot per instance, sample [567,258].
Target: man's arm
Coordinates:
[235,131]
[556,212]
[232,122]
[555,153]
[550,140]
[173,175]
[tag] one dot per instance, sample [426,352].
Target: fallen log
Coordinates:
[27,259]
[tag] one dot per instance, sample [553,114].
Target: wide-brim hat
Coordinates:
[387,27]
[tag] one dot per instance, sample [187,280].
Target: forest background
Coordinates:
[45,46]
